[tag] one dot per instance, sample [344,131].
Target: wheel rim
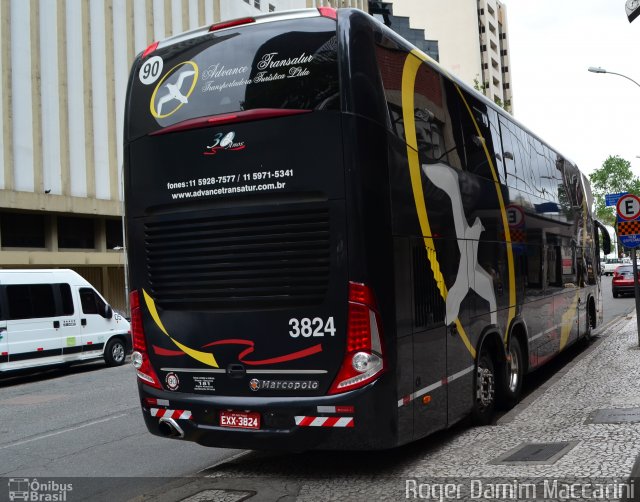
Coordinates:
[514,370]
[485,387]
[118,352]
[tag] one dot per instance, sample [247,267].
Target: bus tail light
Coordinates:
[152,47]
[232,23]
[140,357]
[329,12]
[364,356]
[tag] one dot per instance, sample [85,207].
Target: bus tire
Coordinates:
[484,390]
[115,352]
[513,375]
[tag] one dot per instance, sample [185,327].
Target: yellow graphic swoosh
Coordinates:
[204,357]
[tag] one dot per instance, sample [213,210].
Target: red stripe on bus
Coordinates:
[306,421]
[229,118]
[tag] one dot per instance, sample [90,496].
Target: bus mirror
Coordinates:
[108,312]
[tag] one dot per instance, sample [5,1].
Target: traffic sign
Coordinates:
[628,207]
[630,241]
[515,216]
[611,199]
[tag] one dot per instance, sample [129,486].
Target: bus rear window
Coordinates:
[284,65]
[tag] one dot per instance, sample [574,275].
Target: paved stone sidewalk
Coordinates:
[605,376]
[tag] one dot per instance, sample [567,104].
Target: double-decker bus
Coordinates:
[332,243]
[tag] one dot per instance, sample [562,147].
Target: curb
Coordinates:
[600,334]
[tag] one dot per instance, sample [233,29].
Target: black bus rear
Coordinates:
[254,236]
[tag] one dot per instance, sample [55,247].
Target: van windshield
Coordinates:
[284,64]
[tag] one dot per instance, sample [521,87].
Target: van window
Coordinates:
[67,300]
[27,301]
[91,302]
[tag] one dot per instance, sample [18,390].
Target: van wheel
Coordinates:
[513,375]
[115,352]
[484,396]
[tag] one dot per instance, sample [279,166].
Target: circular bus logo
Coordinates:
[174,89]
[173,382]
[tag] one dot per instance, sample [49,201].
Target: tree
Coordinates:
[614,176]
[483,88]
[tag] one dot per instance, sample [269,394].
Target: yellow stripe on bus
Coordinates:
[409,74]
[204,357]
[503,212]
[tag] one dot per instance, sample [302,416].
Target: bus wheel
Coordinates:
[484,398]
[115,352]
[589,328]
[513,375]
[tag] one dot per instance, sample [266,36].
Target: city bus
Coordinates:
[333,243]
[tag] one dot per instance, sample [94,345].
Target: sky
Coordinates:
[585,116]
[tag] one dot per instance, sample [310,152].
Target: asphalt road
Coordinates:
[615,307]
[86,422]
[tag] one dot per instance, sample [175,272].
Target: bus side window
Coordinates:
[390,57]
[435,133]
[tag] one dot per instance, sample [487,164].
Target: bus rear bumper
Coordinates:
[351,421]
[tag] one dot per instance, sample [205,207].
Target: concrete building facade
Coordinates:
[473,40]
[64,67]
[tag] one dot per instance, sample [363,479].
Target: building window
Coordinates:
[505,69]
[272,8]
[505,86]
[486,66]
[247,1]
[481,12]
[256,4]
[113,231]
[23,230]
[76,233]
[483,48]
[503,52]
[483,29]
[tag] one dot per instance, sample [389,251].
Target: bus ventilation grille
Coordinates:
[240,262]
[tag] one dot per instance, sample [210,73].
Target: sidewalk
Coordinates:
[475,463]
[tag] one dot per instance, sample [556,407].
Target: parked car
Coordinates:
[622,282]
[610,264]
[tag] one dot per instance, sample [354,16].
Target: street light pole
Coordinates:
[636,286]
[597,69]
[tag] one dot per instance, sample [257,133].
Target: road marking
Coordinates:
[57,433]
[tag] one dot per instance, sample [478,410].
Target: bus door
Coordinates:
[460,363]
[429,348]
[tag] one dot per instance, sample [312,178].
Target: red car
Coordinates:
[622,280]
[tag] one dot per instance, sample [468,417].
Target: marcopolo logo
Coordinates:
[36,491]
[256,384]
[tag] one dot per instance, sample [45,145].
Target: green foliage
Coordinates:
[614,176]
[483,89]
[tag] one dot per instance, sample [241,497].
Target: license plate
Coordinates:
[240,419]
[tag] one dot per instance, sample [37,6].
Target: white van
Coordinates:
[53,317]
